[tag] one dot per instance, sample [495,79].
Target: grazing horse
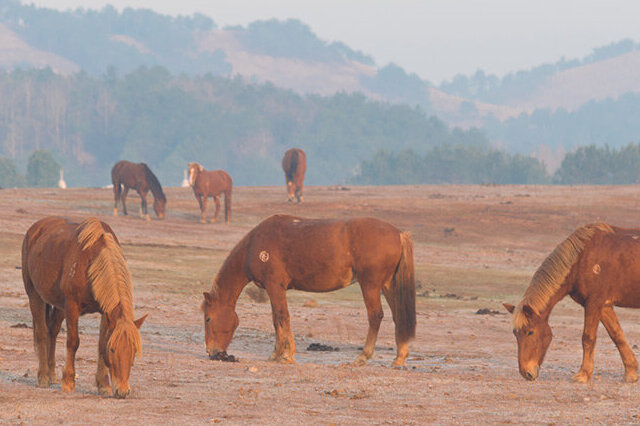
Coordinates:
[71,269]
[211,184]
[598,267]
[294,164]
[286,252]
[139,177]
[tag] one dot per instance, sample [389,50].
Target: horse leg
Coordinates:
[102,374]
[54,321]
[143,205]
[299,192]
[285,347]
[73,341]
[402,345]
[116,196]
[216,199]
[40,333]
[203,209]
[371,295]
[610,322]
[592,315]
[123,198]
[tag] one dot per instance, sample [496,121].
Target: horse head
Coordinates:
[194,170]
[220,322]
[533,336]
[159,206]
[123,343]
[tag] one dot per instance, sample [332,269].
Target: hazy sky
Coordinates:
[435,39]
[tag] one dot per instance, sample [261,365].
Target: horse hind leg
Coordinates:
[371,295]
[401,344]
[40,334]
[54,321]
[611,323]
[216,199]
[123,198]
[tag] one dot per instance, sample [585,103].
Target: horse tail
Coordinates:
[154,183]
[108,273]
[294,163]
[403,287]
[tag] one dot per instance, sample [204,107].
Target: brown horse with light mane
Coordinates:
[286,252]
[139,177]
[211,184]
[71,269]
[598,266]
[294,164]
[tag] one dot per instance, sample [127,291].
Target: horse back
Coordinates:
[213,182]
[129,174]
[322,255]
[609,268]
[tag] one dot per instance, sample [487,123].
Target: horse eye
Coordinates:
[208,319]
[514,332]
[112,350]
[530,333]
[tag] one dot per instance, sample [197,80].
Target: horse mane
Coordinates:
[154,183]
[108,272]
[550,276]
[126,333]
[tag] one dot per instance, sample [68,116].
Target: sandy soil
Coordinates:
[475,247]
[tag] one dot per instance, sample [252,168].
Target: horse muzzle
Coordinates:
[531,373]
[121,394]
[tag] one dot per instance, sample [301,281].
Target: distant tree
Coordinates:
[42,170]
[8,175]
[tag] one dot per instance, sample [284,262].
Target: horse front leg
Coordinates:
[371,295]
[54,321]
[116,197]
[592,315]
[102,373]
[143,205]
[73,341]
[285,347]
[216,199]
[123,198]
[610,321]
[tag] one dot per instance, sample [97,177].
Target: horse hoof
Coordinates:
[43,382]
[147,218]
[360,361]
[115,212]
[631,377]
[580,377]
[105,391]
[68,387]
[398,363]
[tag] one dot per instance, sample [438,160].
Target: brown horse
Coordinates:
[294,164]
[211,184]
[71,269]
[598,267]
[139,177]
[286,252]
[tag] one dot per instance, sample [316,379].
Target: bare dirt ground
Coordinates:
[475,247]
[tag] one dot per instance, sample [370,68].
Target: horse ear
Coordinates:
[509,307]
[140,320]
[528,311]
[208,297]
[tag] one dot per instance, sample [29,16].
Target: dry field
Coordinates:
[475,247]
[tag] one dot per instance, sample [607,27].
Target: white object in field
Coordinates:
[185,181]
[61,183]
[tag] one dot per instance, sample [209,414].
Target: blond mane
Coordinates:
[550,276]
[108,272]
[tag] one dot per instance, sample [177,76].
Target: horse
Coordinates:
[294,165]
[598,267]
[70,269]
[139,177]
[211,184]
[315,255]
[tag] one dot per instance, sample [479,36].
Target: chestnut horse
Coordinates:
[71,269]
[211,184]
[139,177]
[598,267]
[294,164]
[286,252]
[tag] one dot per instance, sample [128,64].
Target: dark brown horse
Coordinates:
[286,252]
[71,269]
[139,177]
[294,164]
[211,184]
[598,266]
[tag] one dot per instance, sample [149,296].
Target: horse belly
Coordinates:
[323,281]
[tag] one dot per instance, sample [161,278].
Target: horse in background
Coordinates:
[70,269]
[139,177]
[294,164]
[598,267]
[286,252]
[211,184]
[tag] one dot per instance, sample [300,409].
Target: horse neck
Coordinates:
[231,278]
